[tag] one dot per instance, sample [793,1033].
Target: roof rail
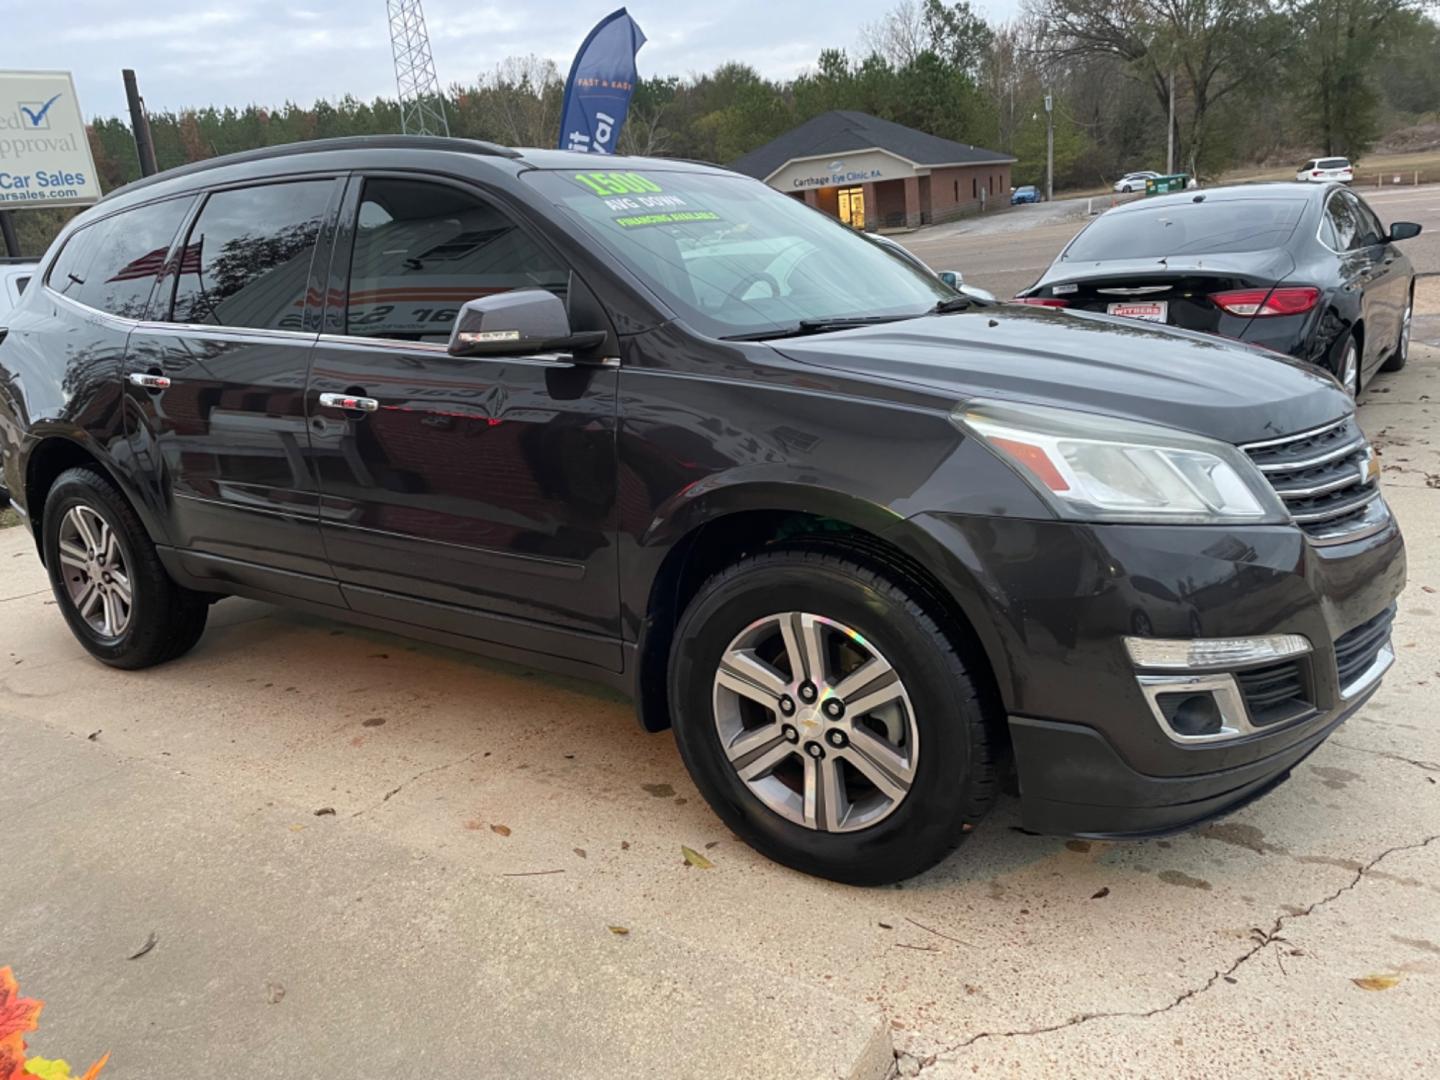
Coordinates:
[317,146]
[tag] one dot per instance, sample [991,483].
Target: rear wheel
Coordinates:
[828,720]
[1347,365]
[107,579]
[1402,351]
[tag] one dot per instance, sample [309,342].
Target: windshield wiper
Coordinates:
[955,303]
[816,326]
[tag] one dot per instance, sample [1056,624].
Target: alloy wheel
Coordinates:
[1350,369]
[93,567]
[816,722]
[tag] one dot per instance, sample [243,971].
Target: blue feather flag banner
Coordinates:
[597,94]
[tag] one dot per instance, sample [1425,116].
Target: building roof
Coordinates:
[844,132]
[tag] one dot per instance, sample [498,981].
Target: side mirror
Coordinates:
[518,323]
[977,293]
[953,278]
[1404,230]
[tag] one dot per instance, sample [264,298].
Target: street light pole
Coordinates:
[139,125]
[1049,148]
[1170,130]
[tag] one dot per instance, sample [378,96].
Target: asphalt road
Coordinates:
[1011,248]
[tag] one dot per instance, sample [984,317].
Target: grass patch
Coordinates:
[8,518]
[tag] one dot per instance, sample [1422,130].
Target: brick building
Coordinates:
[872,173]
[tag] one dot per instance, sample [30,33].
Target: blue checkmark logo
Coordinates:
[37,116]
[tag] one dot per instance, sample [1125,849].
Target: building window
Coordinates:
[957,191]
[974,187]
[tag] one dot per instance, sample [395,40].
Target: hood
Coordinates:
[1119,367]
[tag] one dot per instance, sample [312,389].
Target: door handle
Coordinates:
[348,401]
[148,381]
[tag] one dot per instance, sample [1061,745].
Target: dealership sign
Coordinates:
[44,151]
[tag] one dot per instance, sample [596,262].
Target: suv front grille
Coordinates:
[1326,478]
[1356,650]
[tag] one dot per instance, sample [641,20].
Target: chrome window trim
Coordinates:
[1371,676]
[61,298]
[222,330]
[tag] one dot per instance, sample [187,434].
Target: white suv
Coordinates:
[13,277]
[1324,170]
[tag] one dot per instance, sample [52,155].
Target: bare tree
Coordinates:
[900,35]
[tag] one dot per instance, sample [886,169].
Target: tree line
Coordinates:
[1249,80]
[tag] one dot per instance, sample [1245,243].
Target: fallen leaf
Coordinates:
[325,811]
[624,845]
[17,1014]
[274,993]
[149,944]
[1102,893]
[297,828]
[472,825]
[1376,982]
[1427,588]
[711,844]
[94,734]
[374,721]
[659,791]
[502,830]
[885,926]
[580,851]
[695,859]
[619,930]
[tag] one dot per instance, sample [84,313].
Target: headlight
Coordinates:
[1101,468]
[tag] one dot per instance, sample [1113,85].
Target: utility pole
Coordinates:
[7,229]
[140,125]
[1049,148]
[1170,128]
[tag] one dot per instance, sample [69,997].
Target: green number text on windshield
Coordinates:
[617,183]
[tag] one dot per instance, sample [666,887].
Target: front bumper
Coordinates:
[1052,602]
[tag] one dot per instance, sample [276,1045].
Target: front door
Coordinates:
[216,388]
[852,207]
[472,495]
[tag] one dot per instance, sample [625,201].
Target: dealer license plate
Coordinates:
[1146,310]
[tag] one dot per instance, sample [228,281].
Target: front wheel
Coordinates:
[107,579]
[827,718]
[1402,350]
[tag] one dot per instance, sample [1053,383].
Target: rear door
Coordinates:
[216,387]
[474,495]
[1388,287]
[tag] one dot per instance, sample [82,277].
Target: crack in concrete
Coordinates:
[1262,939]
[418,776]
[1427,766]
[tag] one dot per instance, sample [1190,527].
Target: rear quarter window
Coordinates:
[1204,228]
[1335,163]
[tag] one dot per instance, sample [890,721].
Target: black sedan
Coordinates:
[1304,269]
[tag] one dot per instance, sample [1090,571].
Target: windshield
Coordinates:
[735,258]
[1191,228]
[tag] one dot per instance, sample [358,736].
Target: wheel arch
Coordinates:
[51,455]
[761,518]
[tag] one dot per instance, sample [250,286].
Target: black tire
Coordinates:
[1337,363]
[165,620]
[1397,359]
[958,771]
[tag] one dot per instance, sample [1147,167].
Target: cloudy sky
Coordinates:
[199,52]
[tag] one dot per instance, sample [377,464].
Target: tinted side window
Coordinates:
[247,259]
[1371,232]
[423,249]
[129,252]
[1344,222]
[71,269]
[20,284]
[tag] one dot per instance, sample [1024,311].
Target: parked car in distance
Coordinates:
[1302,269]
[1028,193]
[1134,181]
[15,274]
[953,278]
[1326,171]
[862,542]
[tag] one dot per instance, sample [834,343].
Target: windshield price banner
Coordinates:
[639,201]
[44,151]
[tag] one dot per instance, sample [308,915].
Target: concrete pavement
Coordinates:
[386,939]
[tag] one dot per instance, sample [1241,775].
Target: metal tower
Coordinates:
[422,109]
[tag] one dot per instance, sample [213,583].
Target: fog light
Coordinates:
[1191,714]
[1211,654]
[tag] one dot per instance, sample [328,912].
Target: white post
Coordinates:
[1049,148]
